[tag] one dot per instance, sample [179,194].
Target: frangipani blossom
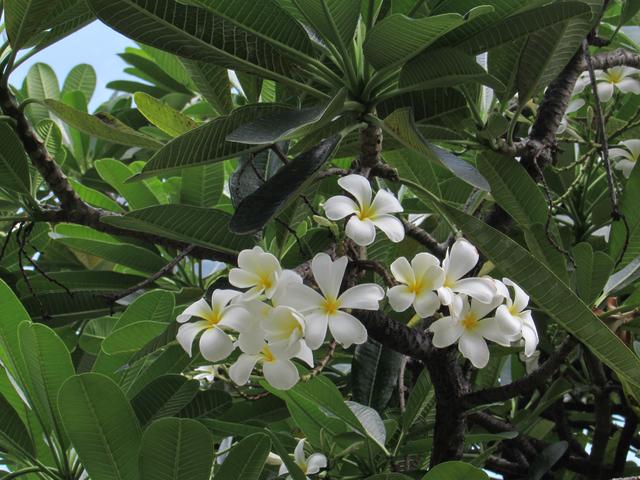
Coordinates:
[459,261]
[366,214]
[309,465]
[468,326]
[215,344]
[284,324]
[326,308]
[206,374]
[277,367]
[627,156]
[419,280]
[513,317]
[258,270]
[608,80]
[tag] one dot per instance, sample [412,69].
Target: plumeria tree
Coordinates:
[342,239]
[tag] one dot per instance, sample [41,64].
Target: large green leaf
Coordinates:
[335,20]
[25,18]
[13,314]
[163,116]
[14,163]
[178,28]
[207,143]
[164,397]
[255,210]
[131,338]
[629,208]
[101,125]
[551,294]
[455,471]
[69,16]
[206,404]
[94,197]
[102,426]
[51,136]
[147,69]
[81,78]
[421,401]
[14,436]
[39,238]
[212,81]
[40,83]
[206,227]
[202,186]
[413,166]
[375,371]
[176,449]
[246,460]
[398,38]
[115,173]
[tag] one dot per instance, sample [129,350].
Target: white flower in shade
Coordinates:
[215,343]
[326,308]
[460,260]
[277,367]
[468,326]
[206,373]
[309,465]
[621,78]
[513,317]
[419,280]
[531,363]
[574,105]
[258,271]
[223,450]
[366,215]
[627,156]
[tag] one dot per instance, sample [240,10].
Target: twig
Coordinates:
[401,386]
[304,248]
[20,239]
[322,363]
[378,268]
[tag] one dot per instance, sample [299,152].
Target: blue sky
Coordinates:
[95,44]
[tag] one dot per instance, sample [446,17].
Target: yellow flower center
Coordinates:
[448,283]
[214,317]
[513,310]
[470,321]
[267,354]
[304,467]
[265,282]
[331,306]
[614,76]
[366,212]
[417,286]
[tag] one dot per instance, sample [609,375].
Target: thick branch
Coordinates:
[424,238]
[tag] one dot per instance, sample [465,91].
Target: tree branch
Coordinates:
[424,238]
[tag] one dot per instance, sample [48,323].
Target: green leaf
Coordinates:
[550,294]
[25,18]
[252,171]
[539,243]
[81,78]
[133,337]
[177,28]
[207,404]
[388,476]
[255,210]
[102,426]
[51,137]
[334,20]
[421,401]
[455,471]
[287,124]
[246,460]
[47,366]
[623,277]
[94,197]
[13,315]
[163,116]
[629,10]
[14,436]
[69,16]
[592,271]
[94,332]
[176,449]
[101,125]
[547,459]
[375,374]
[401,126]
[444,67]
[295,472]
[212,82]
[14,163]
[207,143]
[412,165]
[205,227]
[146,68]
[39,238]
[202,186]
[398,38]
[629,208]
[40,83]
[115,173]
[164,397]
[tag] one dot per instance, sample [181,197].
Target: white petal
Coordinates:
[248,258]
[481,309]
[446,295]
[220,298]
[366,296]
[301,297]
[475,348]
[426,304]
[315,463]
[446,332]
[582,82]
[503,291]
[305,354]
[423,263]
[633,146]
[509,324]
[605,91]
[521,299]
[242,279]
[363,232]
[251,342]
[620,152]
[328,274]
[347,329]
[391,226]
[241,370]
[490,330]
[358,186]
[285,280]
[402,271]
[281,374]
[460,260]
[235,317]
[575,105]
[482,289]
[282,470]
[298,453]
[385,202]
[284,323]
[316,329]
[530,335]
[400,298]
[626,166]
[200,309]
[338,207]
[215,345]
[629,85]
[188,332]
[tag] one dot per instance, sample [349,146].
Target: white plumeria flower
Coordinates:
[532,362]
[258,270]
[215,343]
[206,373]
[284,324]
[513,317]
[608,80]
[419,280]
[287,277]
[460,260]
[574,105]
[627,156]
[309,466]
[366,214]
[468,326]
[277,367]
[326,308]
[223,450]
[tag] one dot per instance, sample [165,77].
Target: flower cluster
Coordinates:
[276,318]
